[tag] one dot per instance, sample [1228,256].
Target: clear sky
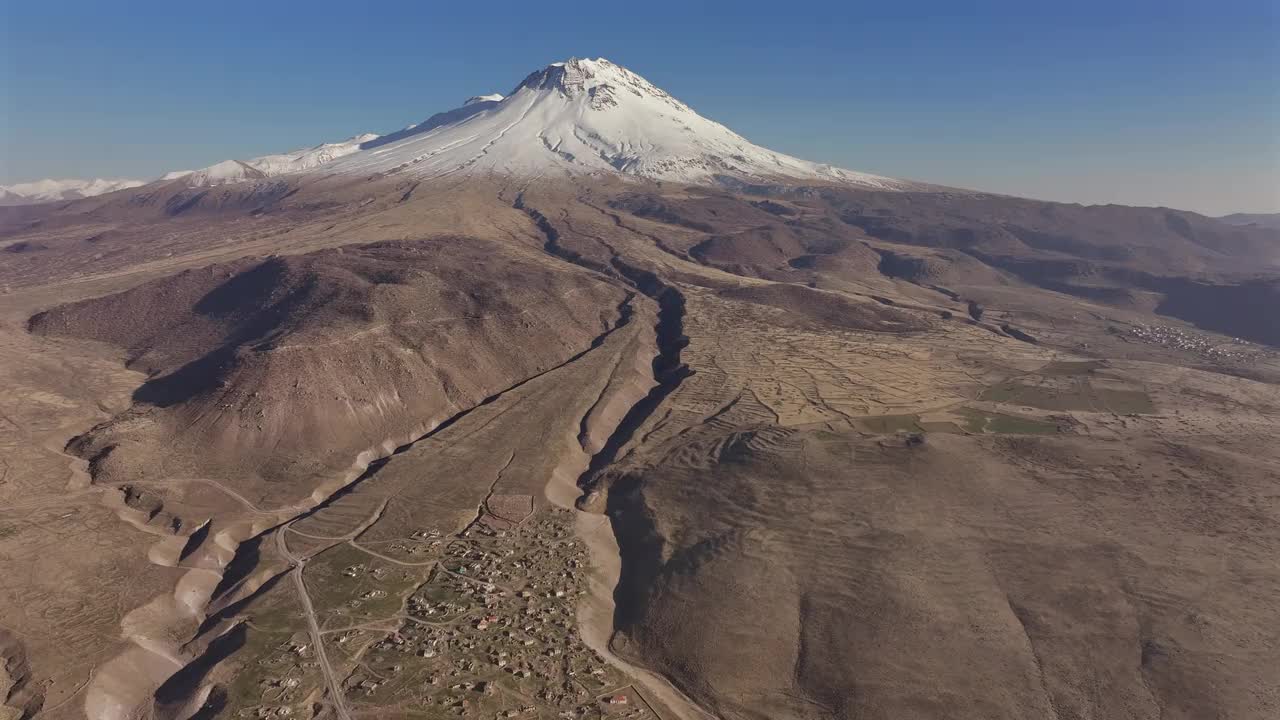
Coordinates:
[1128,101]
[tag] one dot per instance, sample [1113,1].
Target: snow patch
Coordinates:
[493,97]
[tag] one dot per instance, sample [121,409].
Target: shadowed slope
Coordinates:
[285,367]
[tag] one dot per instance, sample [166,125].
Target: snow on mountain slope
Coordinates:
[56,190]
[271,165]
[223,172]
[308,158]
[582,117]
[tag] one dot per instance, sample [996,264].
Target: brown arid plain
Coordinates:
[364,447]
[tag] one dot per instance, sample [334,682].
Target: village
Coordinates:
[490,633]
[1178,338]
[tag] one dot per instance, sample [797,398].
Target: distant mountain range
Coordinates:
[41,191]
[1266,220]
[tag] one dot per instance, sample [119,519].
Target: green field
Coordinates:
[1071,367]
[980,421]
[1080,396]
[887,424]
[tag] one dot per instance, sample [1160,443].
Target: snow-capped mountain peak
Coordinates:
[600,80]
[585,117]
[577,117]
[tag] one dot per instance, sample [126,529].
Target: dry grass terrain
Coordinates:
[370,448]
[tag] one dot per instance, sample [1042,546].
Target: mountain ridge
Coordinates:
[55,190]
[1266,220]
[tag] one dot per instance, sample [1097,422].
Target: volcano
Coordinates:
[578,117]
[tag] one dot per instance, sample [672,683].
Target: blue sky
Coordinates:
[1129,101]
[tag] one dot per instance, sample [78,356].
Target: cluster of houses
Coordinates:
[1190,341]
[491,632]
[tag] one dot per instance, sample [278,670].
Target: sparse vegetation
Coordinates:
[979,421]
